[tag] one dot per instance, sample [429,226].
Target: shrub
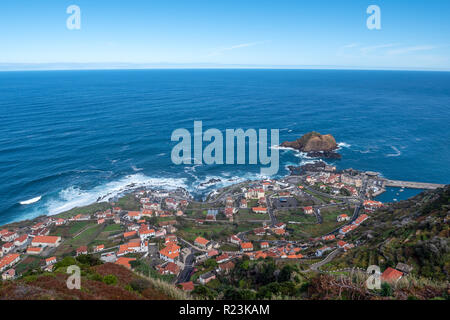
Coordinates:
[386,289]
[110,279]
[139,284]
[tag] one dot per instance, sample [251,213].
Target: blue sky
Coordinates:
[319,33]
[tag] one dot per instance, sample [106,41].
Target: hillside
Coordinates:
[98,282]
[414,231]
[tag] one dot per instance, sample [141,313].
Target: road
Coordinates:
[273,218]
[316,266]
[185,274]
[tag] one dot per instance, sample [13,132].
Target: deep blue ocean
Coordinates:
[71,137]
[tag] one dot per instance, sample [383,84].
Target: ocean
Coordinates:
[70,137]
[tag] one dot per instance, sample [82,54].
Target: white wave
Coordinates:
[30,201]
[226,180]
[283,148]
[135,169]
[396,154]
[76,197]
[344,145]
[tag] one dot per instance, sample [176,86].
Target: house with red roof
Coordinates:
[170,253]
[50,261]
[225,267]
[246,246]
[391,275]
[187,286]
[123,261]
[264,245]
[99,248]
[20,241]
[235,239]
[9,260]
[201,242]
[9,274]
[169,268]
[34,250]
[82,250]
[223,258]
[342,217]
[44,241]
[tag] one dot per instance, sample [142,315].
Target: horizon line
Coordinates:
[92,66]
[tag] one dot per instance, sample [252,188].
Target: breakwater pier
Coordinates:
[411,184]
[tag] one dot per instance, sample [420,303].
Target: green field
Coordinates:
[84,238]
[247,214]
[328,224]
[90,209]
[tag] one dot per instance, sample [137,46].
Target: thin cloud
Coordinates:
[238,46]
[369,49]
[351,45]
[410,49]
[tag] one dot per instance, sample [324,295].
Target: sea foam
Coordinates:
[74,196]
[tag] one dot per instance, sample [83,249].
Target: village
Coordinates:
[305,218]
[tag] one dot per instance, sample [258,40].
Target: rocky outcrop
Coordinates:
[315,145]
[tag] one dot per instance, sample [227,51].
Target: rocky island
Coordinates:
[315,145]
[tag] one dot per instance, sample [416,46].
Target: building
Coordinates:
[225,267]
[50,261]
[254,193]
[201,242]
[223,258]
[261,210]
[264,245]
[343,217]
[82,250]
[371,205]
[322,250]
[44,241]
[7,247]
[99,248]
[187,286]
[8,261]
[169,268]
[329,237]
[60,222]
[235,239]
[404,268]
[361,219]
[122,261]
[9,274]
[101,221]
[80,217]
[246,246]
[243,204]
[206,277]
[308,210]
[20,241]
[170,253]
[34,250]
[133,215]
[391,275]
[129,234]
[108,257]
[344,230]
[9,236]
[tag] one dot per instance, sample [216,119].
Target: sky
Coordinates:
[414,35]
